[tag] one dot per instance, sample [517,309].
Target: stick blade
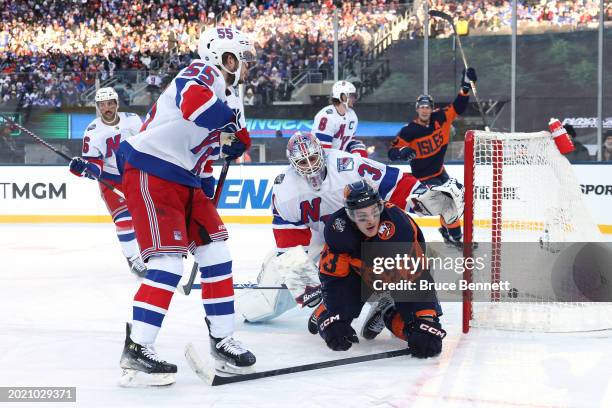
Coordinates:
[198,366]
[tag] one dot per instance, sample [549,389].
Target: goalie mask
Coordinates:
[306,155]
[215,42]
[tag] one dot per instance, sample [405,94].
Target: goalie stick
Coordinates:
[449,20]
[186,288]
[247,285]
[55,150]
[207,373]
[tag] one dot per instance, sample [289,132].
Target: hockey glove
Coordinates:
[81,167]
[208,186]
[357,147]
[402,153]
[425,338]
[237,147]
[468,75]
[338,334]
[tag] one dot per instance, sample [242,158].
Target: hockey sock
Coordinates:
[126,235]
[153,298]
[454,229]
[217,287]
[395,323]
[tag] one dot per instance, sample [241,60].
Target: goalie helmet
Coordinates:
[360,194]
[217,41]
[344,88]
[106,94]
[306,156]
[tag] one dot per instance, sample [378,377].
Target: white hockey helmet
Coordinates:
[343,88]
[217,41]
[106,94]
[306,156]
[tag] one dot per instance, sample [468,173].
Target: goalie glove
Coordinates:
[445,200]
[300,275]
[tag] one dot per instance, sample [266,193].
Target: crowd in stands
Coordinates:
[493,15]
[51,51]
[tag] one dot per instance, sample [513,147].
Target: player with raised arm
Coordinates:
[99,158]
[366,217]
[168,182]
[304,196]
[335,125]
[423,143]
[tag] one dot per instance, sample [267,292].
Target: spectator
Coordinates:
[580,153]
[606,148]
[249,97]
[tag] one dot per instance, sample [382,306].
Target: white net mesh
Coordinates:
[525,192]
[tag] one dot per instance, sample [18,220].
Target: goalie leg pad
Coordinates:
[262,305]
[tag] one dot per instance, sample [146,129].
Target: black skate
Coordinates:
[230,355]
[142,367]
[449,239]
[374,322]
[313,327]
[137,267]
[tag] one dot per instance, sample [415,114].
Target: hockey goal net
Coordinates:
[523,208]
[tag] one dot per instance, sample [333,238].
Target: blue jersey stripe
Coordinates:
[388,181]
[324,138]
[277,220]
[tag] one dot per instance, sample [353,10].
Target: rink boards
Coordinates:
[43,194]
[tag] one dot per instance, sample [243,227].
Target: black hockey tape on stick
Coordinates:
[221,380]
[186,288]
[449,19]
[55,150]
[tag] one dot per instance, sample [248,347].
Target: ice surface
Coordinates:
[65,294]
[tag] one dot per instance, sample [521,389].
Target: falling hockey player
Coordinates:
[99,159]
[167,176]
[367,218]
[304,196]
[423,143]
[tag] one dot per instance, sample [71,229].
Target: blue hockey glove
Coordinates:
[338,334]
[467,76]
[425,338]
[402,153]
[81,167]
[208,186]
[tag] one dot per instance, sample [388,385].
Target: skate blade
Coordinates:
[134,378]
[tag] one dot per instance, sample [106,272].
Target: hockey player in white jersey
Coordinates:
[99,158]
[335,125]
[304,195]
[168,183]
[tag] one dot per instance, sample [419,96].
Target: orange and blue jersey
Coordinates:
[430,142]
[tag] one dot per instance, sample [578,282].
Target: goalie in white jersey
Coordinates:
[99,159]
[335,125]
[305,195]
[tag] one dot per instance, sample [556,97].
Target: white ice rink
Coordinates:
[65,294]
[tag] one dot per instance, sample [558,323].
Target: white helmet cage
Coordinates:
[217,41]
[343,88]
[306,155]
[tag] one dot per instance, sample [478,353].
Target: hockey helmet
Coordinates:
[106,94]
[360,194]
[424,100]
[343,88]
[217,41]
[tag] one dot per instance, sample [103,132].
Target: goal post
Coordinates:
[525,214]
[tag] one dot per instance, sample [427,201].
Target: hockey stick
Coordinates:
[449,20]
[186,288]
[247,286]
[213,379]
[60,153]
